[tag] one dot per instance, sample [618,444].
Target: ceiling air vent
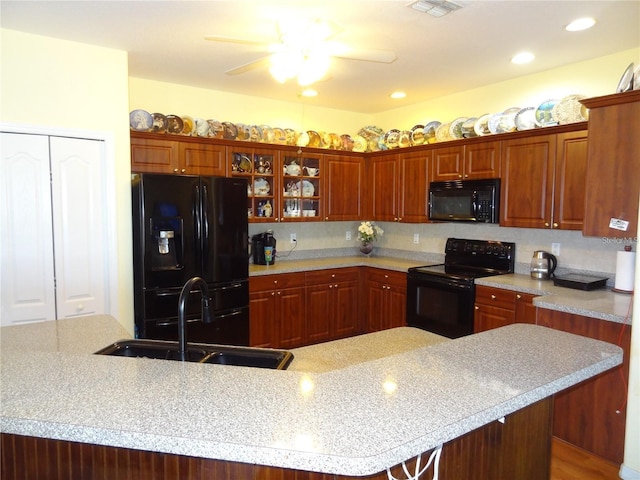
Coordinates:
[435,8]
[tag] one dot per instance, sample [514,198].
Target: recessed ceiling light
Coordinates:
[523,57]
[309,92]
[397,95]
[580,24]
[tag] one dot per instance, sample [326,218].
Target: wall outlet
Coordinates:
[347,235]
[555,249]
[416,238]
[293,238]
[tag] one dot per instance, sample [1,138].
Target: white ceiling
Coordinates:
[435,56]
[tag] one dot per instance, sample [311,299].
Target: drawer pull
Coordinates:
[493,297]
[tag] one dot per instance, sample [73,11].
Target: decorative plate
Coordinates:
[626,81]
[455,128]
[417,135]
[544,114]
[159,123]
[568,110]
[429,131]
[307,189]
[391,138]
[244,132]
[636,78]
[188,125]
[174,124]
[202,127]
[360,144]
[314,139]
[467,127]
[347,142]
[279,136]
[140,120]
[261,187]
[292,136]
[526,119]
[216,130]
[442,133]
[230,131]
[267,134]
[481,127]
[508,122]
[494,122]
[405,139]
[255,133]
[303,140]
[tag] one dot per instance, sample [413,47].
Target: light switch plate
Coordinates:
[416,238]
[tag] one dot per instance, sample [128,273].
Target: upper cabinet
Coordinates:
[183,156]
[543,181]
[475,160]
[613,163]
[302,186]
[344,179]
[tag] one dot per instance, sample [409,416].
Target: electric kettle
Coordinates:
[543,264]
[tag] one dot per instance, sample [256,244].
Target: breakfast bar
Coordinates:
[353,407]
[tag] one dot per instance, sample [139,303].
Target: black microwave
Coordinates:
[465,201]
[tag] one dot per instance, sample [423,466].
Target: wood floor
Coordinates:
[571,463]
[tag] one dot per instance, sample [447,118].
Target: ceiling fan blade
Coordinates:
[261,62]
[241,41]
[340,50]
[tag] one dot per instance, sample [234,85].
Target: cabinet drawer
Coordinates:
[277,281]
[387,276]
[496,297]
[334,275]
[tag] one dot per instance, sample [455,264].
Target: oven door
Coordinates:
[440,305]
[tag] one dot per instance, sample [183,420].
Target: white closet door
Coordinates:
[26,281]
[79,231]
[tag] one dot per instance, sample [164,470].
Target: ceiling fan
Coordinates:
[304,50]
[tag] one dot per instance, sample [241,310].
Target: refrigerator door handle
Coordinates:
[205,227]
[223,316]
[197,223]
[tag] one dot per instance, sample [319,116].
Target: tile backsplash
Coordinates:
[577,253]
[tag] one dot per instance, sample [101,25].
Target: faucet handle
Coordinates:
[206,311]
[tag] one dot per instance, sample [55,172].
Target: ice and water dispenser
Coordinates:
[166,238]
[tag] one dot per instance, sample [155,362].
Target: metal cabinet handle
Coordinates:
[518,296]
[477,307]
[493,297]
[555,225]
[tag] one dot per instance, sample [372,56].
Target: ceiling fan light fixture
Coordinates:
[435,8]
[312,69]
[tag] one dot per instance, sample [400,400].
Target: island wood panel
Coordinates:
[592,415]
[519,449]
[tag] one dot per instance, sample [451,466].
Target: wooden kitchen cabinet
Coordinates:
[303,192]
[276,310]
[179,156]
[543,181]
[398,185]
[344,179]
[386,297]
[497,307]
[592,415]
[477,160]
[332,304]
[613,163]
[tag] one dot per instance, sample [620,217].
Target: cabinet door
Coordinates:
[570,181]
[154,155]
[613,164]
[262,319]
[383,182]
[526,312]
[448,163]
[396,307]
[27,281]
[344,181]
[290,321]
[319,312]
[203,159]
[346,318]
[78,197]
[376,293]
[302,187]
[527,182]
[486,317]
[263,172]
[482,160]
[414,185]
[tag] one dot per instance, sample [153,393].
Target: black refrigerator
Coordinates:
[187,226]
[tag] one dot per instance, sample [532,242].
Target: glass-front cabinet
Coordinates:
[260,169]
[301,186]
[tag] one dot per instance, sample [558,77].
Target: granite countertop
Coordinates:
[356,414]
[603,303]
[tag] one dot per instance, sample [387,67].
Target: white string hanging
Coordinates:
[435,455]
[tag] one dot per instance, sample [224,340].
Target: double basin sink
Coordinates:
[201,353]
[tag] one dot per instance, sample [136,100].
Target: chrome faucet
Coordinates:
[182,311]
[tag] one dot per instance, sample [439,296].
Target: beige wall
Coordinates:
[57,84]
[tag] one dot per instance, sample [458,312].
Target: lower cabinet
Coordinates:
[386,294]
[277,310]
[332,304]
[496,307]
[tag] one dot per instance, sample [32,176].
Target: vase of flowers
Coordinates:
[368,232]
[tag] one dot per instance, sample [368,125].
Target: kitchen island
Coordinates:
[354,416]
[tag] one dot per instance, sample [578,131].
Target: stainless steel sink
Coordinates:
[201,353]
